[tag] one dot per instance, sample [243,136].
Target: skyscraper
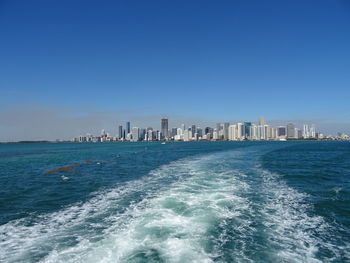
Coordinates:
[239,130]
[313,131]
[127,128]
[254,132]
[225,130]
[266,132]
[215,135]
[273,133]
[186,135]
[135,134]
[281,131]
[164,128]
[179,132]
[193,129]
[247,126]
[306,131]
[199,132]
[150,134]
[183,127]
[290,131]
[232,132]
[120,132]
[142,134]
[309,131]
[173,132]
[218,130]
[298,133]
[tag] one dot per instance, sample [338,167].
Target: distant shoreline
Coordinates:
[45,141]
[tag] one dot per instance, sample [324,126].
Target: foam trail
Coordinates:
[175,225]
[21,239]
[296,235]
[219,207]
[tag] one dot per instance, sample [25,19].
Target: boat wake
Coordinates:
[220,207]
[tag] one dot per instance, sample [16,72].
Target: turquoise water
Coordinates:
[178,202]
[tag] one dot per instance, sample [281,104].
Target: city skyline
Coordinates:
[107,62]
[239,131]
[111,125]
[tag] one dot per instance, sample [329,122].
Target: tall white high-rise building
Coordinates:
[232,132]
[306,131]
[135,132]
[313,131]
[273,133]
[179,134]
[179,131]
[262,131]
[150,136]
[190,134]
[215,135]
[254,132]
[186,135]
[290,131]
[240,133]
[266,132]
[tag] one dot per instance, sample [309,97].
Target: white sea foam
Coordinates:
[23,238]
[173,224]
[296,234]
[201,209]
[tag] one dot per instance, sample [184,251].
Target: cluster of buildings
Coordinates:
[222,132]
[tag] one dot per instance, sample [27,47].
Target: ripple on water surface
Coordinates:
[220,207]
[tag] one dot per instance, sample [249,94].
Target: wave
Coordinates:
[296,233]
[176,224]
[21,239]
[220,207]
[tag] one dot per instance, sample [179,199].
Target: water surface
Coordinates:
[178,202]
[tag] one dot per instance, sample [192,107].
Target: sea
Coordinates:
[176,202]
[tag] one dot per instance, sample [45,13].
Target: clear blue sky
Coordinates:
[215,60]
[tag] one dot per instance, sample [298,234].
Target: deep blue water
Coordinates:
[178,202]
